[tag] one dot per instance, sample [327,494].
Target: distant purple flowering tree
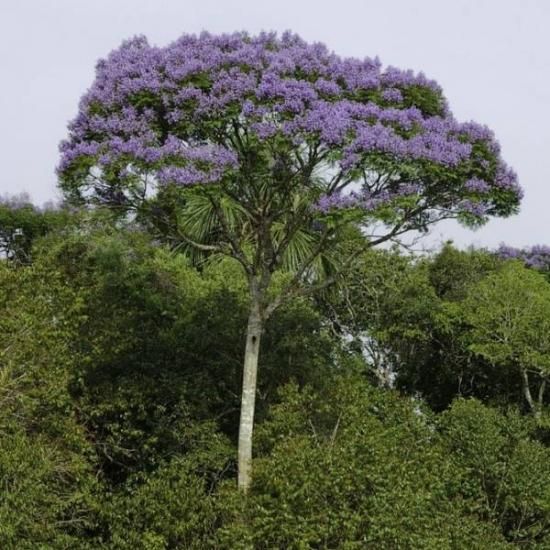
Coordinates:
[278,147]
[537,256]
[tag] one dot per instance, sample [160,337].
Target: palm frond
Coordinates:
[199,222]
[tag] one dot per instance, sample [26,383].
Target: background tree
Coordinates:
[47,463]
[21,223]
[502,469]
[436,361]
[509,314]
[404,313]
[280,146]
[536,257]
[386,311]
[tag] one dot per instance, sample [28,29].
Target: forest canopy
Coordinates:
[120,400]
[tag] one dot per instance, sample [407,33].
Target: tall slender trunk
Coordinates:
[250,371]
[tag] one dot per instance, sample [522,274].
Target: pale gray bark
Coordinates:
[250,372]
[527,393]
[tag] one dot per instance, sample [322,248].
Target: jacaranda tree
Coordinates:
[278,150]
[535,257]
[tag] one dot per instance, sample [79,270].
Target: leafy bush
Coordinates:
[354,467]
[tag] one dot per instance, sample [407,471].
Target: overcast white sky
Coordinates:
[492,58]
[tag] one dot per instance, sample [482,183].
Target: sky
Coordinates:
[492,58]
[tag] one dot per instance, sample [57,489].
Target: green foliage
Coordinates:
[410,318]
[47,497]
[438,362]
[47,465]
[451,272]
[354,468]
[174,507]
[503,472]
[120,368]
[509,318]
[509,312]
[179,360]
[21,223]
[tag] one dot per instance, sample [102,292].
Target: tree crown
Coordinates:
[276,122]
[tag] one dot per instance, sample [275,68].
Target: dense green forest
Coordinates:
[391,413]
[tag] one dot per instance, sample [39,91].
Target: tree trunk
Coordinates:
[527,393]
[542,387]
[246,425]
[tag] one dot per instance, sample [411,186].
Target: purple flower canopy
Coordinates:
[176,113]
[537,256]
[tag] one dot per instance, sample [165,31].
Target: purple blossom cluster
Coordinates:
[537,256]
[477,186]
[366,200]
[475,208]
[188,113]
[214,160]
[393,94]
[336,201]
